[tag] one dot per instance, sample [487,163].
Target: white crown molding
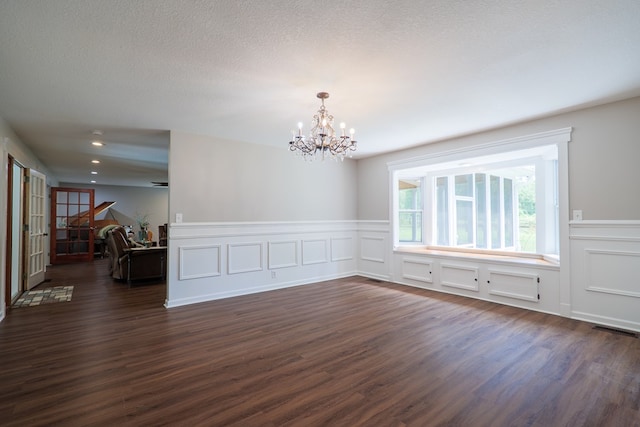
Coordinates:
[528,141]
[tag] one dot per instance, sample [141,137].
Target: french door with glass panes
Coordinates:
[36,227]
[72,212]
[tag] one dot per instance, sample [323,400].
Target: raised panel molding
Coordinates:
[459,276]
[613,272]
[372,249]
[605,271]
[199,261]
[417,269]
[314,251]
[341,248]
[514,285]
[283,254]
[303,251]
[244,257]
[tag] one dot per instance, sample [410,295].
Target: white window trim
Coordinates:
[558,137]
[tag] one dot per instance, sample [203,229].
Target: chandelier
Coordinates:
[322,141]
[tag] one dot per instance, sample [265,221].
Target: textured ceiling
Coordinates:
[402,73]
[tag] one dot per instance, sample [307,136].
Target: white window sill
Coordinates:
[524,260]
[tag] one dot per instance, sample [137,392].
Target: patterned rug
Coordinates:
[44,296]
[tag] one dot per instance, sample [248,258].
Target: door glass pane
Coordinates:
[61,197]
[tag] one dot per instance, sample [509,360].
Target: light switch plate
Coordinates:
[178,217]
[577,215]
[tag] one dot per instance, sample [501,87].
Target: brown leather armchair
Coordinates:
[134,263]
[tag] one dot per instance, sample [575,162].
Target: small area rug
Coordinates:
[44,296]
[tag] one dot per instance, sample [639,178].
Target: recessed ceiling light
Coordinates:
[95,162]
[94,173]
[97,143]
[93,181]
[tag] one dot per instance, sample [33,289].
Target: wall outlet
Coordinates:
[577,215]
[178,217]
[273,274]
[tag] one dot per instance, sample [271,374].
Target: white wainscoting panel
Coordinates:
[514,285]
[244,257]
[283,254]
[199,261]
[605,272]
[613,272]
[505,281]
[341,248]
[419,269]
[297,253]
[372,248]
[314,251]
[459,276]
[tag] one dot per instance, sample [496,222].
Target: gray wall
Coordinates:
[214,180]
[21,153]
[603,161]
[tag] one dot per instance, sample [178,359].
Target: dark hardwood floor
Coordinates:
[348,352]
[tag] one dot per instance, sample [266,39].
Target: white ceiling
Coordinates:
[402,73]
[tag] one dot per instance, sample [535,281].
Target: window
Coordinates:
[410,210]
[503,196]
[478,214]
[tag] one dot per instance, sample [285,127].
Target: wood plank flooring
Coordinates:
[349,352]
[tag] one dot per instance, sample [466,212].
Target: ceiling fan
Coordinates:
[160,184]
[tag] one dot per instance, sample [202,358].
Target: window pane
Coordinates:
[496,229]
[464,222]
[527,213]
[410,210]
[410,226]
[508,212]
[481,211]
[409,193]
[464,185]
[442,211]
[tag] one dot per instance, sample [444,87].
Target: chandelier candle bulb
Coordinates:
[322,141]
